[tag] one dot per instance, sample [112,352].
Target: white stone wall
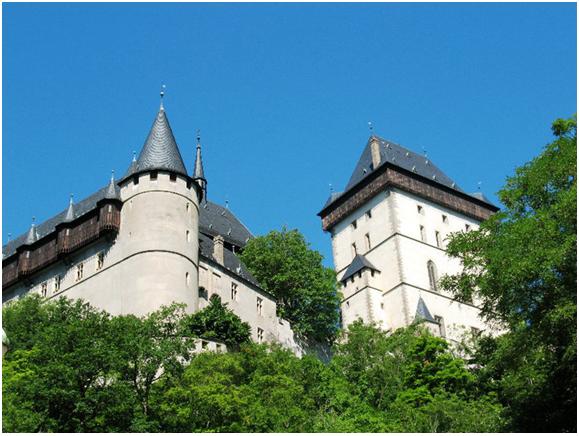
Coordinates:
[400,250]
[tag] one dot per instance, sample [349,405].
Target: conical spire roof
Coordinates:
[32,234]
[160,151]
[70,211]
[112,192]
[422,312]
[199,173]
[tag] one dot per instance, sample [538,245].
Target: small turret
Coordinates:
[70,211]
[112,190]
[32,236]
[199,174]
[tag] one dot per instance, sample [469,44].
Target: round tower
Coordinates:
[159,228]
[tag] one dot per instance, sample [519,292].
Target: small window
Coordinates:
[259,306]
[259,335]
[188,235]
[173,177]
[187,207]
[347,304]
[437,237]
[203,293]
[381,305]
[79,271]
[354,249]
[67,233]
[369,214]
[188,184]
[233,291]
[100,260]
[432,275]
[204,344]
[467,227]
[368,243]
[422,234]
[154,175]
[135,180]
[110,208]
[359,274]
[441,328]
[187,279]
[444,219]
[354,224]
[56,284]
[372,272]
[43,289]
[419,209]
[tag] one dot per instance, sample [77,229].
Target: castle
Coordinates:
[388,230]
[150,238]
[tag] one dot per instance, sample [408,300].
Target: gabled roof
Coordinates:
[215,219]
[422,312]
[160,151]
[399,156]
[358,264]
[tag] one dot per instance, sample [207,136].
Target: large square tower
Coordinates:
[389,228]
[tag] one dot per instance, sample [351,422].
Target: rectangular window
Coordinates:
[136,180]
[437,237]
[43,289]
[444,219]
[100,260]
[56,285]
[79,271]
[234,291]
[354,250]
[441,328]
[422,234]
[259,335]
[368,243]
[154,175]
[369,214]
[203,293]
[173,177]
[259,306]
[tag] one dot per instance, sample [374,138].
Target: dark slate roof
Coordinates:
[230,260]
[358,263]
[479,195]
[422,312]
[218,220]
[198,173]
[48,226]
[160,151]
[401,157]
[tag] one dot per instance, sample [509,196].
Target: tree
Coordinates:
[216,322]
[305,290]
[522,265]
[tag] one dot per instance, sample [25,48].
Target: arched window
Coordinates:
[432,275]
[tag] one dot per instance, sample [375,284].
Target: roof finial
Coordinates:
[479,185]
[134,156]
[227,204]
[9,238]
[162,93]
[198,133]
[71,201]
[371,127]
[331,188]
[424,152]
[112,175]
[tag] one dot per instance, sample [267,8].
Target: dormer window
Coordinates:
[369,214]
[173,177]
[354,224]
[135,180]
[154,175]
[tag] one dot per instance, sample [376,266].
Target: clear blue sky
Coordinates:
[282,94]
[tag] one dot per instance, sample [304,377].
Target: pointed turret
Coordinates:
[70,211]
[160,151]
[199,174]
[112,190]
[32,236]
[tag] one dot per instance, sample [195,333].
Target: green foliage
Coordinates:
[522,265]
[216,322]
[305,290]
[82,370]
